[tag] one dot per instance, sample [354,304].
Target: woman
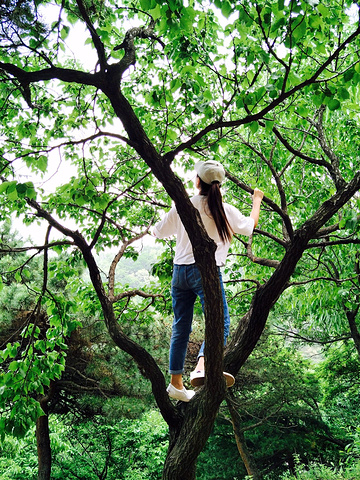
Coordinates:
[221,221]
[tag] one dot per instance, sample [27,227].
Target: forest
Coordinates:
[105,107]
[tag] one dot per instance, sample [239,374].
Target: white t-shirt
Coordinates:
[172,225]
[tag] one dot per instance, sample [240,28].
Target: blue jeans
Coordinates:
[185,287]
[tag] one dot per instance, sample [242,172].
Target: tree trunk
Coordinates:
[190,435]
[355,334]
[351,314]
[43,443]
[245,455]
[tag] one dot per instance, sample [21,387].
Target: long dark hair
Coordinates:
[216,207]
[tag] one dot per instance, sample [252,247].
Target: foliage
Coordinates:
[18,459]
[131,449]
[220,458]
[321,472]
[123,449]
[33,347]
[340,377]
[92,365]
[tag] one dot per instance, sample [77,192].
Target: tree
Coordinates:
[171,83]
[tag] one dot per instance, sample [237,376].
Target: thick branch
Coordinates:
[345,241]
[133,293]
[65,74]
[298,153]
[267,262]
[128,45]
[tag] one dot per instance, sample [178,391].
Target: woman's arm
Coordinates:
[255,212]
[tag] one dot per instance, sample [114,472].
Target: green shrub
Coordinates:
[323,472]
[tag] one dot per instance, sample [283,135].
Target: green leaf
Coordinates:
[343,93]
[64,32]
[40,345]
[273,94]
[172,134]
[323,10]
[42,163]
[302,110]
[318,99]
[254,126]
[30,190]
[4,186]
[13,366]
[334,104]
[226,8]
[349,74]
[299,27]
[156,12]
[21,189]
[269,125]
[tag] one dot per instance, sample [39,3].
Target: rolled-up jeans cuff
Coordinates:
[176,372]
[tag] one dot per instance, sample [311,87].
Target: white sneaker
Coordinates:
[197,378]
[183,394]
[230,380]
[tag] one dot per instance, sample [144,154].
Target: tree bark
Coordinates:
[43,443]
[352,314]
[355,334]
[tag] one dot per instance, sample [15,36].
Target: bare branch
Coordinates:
[260,261]
[133,293]
[318,279]
[297,336]
[298,153]
[7,249]
[345,241]
[114,263]
[128,45]
[333,167]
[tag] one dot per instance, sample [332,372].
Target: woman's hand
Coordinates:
[258,194]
